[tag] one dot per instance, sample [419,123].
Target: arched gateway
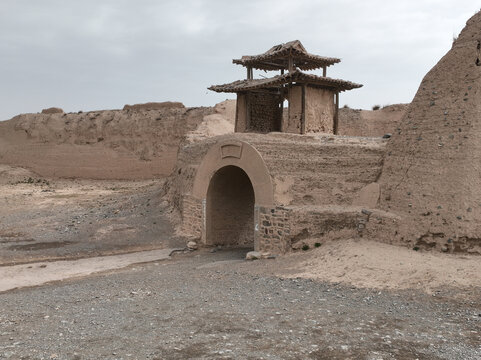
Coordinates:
[232,182]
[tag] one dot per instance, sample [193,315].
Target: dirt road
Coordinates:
[218,306]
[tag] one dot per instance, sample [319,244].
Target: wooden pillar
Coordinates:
[303,109]
[250,73]
[324,71]
[281,112]
[237,113]
[290,64]
[248,112]
[336,115]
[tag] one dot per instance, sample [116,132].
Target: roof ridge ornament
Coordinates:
[277,58]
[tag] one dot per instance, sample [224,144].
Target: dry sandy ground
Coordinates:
[206,305]
[370,264]
[47,219]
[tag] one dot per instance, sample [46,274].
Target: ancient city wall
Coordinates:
[354,122]
[110,144]
[320,169]
[306,172]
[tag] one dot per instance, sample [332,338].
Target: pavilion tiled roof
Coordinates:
[277,58]
[279,80]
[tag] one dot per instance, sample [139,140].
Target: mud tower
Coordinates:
[283,176]
[432,171]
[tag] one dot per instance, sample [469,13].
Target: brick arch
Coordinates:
[242,155]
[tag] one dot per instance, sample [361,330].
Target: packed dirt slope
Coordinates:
[139,142]
[355,122]
[432,171]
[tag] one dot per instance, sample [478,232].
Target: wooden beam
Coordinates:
[336,115]
[324,71]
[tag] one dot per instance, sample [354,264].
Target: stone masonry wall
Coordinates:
[192,216]
[273,230]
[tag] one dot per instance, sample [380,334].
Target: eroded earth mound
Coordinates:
[431,175]
[140,142]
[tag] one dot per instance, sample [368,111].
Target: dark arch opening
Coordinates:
[230,208]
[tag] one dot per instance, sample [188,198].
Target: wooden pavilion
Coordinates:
[313,101]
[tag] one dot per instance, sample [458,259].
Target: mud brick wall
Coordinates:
[320,221]
[273,229]
[192,216]
[309,171]
[265,112]
[320,110]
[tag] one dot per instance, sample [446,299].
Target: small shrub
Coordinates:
[31,180]
[346,106]
[317,244]
[416,248]
[376,107]
[305,247]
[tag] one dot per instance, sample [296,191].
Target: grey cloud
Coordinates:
[102,54]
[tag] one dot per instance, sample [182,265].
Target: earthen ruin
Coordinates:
[281,181]
[289,177]
[432,171]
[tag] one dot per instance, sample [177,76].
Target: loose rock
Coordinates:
[253,255]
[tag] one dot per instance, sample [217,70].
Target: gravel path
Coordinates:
[217,306]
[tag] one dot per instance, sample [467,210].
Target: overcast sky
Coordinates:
[102,54]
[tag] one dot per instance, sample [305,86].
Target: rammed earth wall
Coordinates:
[319,178]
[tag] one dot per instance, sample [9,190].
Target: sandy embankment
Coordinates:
[370,264]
